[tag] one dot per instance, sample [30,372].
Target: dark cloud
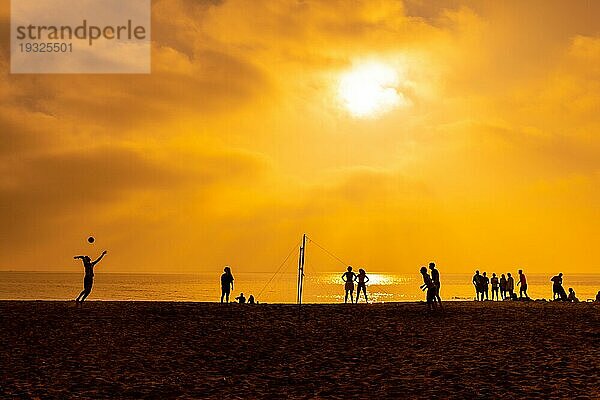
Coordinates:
[37,192]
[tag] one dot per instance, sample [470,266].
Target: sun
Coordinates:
[370,90]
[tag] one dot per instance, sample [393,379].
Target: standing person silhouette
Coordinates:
[557,287]
[503,285]
[478,282]
[349,277]
[510,285]
[88,279]
[495,283]
[523,283]
[486,285]
[435,278]
[362,284]
[430,287]
[226,284]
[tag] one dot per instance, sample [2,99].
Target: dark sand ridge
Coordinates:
[202,350]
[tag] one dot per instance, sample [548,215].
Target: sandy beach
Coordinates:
[201,350]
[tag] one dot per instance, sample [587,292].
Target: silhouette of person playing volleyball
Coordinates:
[226,284]
[349,277]
[88,279]
[362,284]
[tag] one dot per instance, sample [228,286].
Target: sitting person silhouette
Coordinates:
[88,279]
[362,284]
[349,277]
[241,299]
[251,299]
[572,298]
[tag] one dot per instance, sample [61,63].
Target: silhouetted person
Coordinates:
[503,285]
[523,283]
[510,285]
[430,287]
[572,298]
[598,297]
[435,278]
[348,277]
[241,299]
[251,299]
[486,285]
[362,279]
[226,284]
[495,285]
[558,291]
[478,283]
[88,279]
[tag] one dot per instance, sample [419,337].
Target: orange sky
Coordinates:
[239,141]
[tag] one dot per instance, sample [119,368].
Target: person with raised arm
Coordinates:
[88,279]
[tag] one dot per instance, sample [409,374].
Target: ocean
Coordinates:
[266,288]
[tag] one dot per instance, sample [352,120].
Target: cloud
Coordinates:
[236,143]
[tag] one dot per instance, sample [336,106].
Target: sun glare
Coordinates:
[369,90]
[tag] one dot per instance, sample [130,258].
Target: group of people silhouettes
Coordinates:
[431,284]
[558,291]
[227,287]
[503,287]
[361,279]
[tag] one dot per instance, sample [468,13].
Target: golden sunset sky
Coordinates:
[394,133]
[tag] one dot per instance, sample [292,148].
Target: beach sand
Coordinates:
[201,350]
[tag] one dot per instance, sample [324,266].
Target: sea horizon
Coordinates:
[319,287]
